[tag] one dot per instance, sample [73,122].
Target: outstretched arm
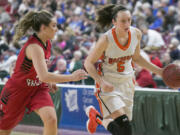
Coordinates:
[137,58]
[92,58]
[36,54]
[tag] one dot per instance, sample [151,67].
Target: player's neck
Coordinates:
[121,34]
[43,39]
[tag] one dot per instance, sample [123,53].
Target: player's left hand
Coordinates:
[53,88]
[160,72]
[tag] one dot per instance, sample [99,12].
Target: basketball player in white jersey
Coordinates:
[117,48]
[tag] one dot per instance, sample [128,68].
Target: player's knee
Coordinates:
[124,124]
[50,120]
[114,129]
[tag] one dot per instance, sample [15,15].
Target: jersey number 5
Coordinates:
[120,66]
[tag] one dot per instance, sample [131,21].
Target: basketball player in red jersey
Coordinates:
[117,48]
[27,88]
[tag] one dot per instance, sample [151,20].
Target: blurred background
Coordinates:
[159,21]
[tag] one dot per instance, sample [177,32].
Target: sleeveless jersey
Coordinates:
[24,75]
[117,60]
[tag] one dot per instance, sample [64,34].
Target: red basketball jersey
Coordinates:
[24,75]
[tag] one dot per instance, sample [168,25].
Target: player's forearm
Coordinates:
[92,71]
[148,65]
[56,78]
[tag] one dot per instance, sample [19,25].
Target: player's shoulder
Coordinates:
[138,31]
[106,34]
[103,38]
[109,31]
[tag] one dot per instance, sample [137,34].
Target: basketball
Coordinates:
[171,75]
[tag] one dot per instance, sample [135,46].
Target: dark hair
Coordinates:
[107,13]
[34,20]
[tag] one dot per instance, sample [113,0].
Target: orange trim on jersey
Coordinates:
[132,64]
[134,81]
[97,86]
[123,47]
[99,69]
[97,97]
[102,57]
[99,101]
[99,66]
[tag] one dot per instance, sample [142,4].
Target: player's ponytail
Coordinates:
[107,13]
[34,20]
[24,24]
[104,16]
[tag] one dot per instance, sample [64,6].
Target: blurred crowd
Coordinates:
[159,21]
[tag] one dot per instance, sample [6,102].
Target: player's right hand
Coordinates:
[79,75]
[106,86]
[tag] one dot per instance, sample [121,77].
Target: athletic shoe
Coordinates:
[94,120]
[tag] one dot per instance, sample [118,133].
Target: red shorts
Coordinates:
[13,103]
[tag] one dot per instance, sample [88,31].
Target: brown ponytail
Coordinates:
[107,13]
[34,20]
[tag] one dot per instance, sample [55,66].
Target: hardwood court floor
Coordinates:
[35,130]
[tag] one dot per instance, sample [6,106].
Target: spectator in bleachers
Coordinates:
[148,13]
[156,61]
[23,7]
[176,31]
[161,15]
[56,54]
[170,19]
[138,15]
[166,59]
[155,6]
[76,62]
[174,52]
[11,56]
[61,67]
[178,8]
[4,16]
[144,78]
[151,38]
[164,5]
[3,47]
[152,79]
[159,20]
[5,66]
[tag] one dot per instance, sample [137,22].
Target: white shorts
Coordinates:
[121,97]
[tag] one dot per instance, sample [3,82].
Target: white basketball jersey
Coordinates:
[117,60]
